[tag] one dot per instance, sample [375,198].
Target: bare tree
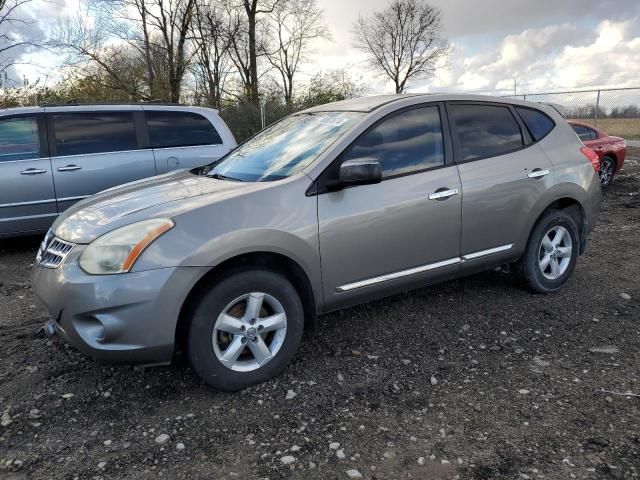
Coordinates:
[213,44]
[294,26]
[253,9]
[88,46]
[402,42]
[13,25]
[237,34]
[159,30]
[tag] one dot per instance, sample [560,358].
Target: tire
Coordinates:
[530,266]
[214,341]
[607,171]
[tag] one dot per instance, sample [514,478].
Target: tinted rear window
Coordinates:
[19,139]
[180,129]
[485,130]
[98,132]
[407,142]
[538,123]
[584,133]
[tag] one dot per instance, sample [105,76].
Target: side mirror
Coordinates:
[360,171]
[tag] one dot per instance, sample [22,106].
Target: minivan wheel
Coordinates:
[607,171]
[551,254]
[245,329]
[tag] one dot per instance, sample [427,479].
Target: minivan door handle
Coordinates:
[33,171]
[538,173]
[443,193]
[69,168]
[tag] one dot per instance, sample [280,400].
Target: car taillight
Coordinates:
[592,156]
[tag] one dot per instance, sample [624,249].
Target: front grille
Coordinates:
[53,251]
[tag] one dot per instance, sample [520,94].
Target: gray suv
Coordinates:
[53,156]
[330,207]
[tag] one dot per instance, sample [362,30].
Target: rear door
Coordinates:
[402,232]
[95,150]
[182,139]
[504,174]
[27,197]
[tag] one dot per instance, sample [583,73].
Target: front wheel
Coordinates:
[551,254]
[607,171]
[245,330]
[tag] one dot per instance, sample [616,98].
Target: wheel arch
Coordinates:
[273,261]
[573,207]
[612,155]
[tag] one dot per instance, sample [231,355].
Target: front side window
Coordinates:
[19,139]
[180,129]
[284,148]
[485,130]
[584,133]
[538,123]
[95,132]
[407,142]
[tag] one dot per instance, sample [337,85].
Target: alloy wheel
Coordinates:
[249,332]
[606,172]
[555,252]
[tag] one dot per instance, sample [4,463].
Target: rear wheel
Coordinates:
[551,254]
[245,330]
[607,171]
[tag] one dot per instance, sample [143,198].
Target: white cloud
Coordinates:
[553,57]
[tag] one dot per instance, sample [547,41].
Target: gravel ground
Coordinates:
[472,379]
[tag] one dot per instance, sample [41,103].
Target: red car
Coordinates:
[611,150]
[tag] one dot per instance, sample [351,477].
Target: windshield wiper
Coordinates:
[219,176]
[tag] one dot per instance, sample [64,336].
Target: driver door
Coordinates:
[402,232]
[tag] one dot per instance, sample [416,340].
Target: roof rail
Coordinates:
[75,103]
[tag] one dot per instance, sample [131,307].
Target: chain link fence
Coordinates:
[614,110]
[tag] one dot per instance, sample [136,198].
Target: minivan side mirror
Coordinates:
[360,171]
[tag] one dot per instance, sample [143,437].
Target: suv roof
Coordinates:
[368,104]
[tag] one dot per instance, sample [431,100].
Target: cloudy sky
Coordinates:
[544,44]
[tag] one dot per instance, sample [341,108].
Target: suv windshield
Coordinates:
[284,148]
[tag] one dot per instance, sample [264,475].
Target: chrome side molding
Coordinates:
[421,269]
[483,253]
[395,275]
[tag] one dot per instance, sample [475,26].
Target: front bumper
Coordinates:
[127,318]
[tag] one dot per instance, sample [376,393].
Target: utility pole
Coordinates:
[515,87]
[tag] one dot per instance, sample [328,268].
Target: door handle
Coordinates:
[538,173]
[443,193]
[33,171]
[69,168]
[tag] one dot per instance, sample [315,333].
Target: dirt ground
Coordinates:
[472,379]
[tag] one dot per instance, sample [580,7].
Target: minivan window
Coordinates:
[538,123]
[284,148]
[485,130]
[180,129]
[94,132]
[407,142]
[19,139]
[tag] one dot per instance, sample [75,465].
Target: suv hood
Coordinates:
[163,196]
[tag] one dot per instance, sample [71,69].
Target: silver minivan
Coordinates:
[330,207]
[53,156]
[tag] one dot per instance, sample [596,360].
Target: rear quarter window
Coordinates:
[180,129]
[485,130]
[538,123]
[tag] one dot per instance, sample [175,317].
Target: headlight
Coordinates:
[117,251]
